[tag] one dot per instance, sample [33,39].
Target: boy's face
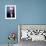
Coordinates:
[11,9]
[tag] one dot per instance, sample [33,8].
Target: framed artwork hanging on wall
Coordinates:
[10,11]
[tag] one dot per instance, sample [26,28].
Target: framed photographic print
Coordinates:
[10,11]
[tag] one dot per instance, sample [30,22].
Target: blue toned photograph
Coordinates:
[13,13]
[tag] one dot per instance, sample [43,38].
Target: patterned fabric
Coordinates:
[28,34]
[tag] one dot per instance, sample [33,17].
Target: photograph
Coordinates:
[10,11]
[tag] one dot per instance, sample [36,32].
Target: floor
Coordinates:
[9,45]
[32,43]
[28,43]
